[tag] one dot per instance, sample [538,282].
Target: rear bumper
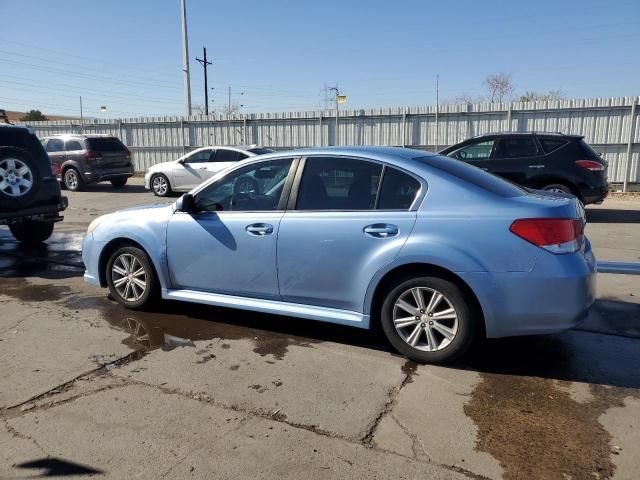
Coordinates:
[104,174]
[594,195]
[555,296]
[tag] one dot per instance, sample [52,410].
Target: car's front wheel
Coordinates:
[131,278]
[429,320]
[160,185]
[30,232]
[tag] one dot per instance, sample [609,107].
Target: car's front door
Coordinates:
[192,170]
[229,246]
[349,219]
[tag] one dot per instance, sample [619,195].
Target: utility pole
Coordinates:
[335,89]
[81,117]
[185,59]
[205,64]
[437,108]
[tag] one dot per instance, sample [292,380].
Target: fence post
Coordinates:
[182,136]
[509,117]
[632,129]
[244,130]
[404,127]
[320,127]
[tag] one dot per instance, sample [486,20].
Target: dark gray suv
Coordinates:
[82,159]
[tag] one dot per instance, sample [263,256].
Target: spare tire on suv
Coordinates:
[30,200]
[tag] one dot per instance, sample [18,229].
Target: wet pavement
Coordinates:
[556,406]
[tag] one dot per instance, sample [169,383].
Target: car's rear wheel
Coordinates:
[30,232]
[119,182]
[429,320]
[160,185]
[557,188]
[72,180]
[131,278]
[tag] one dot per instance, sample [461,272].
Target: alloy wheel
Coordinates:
[129,277]
[160,186]
[71,179]
[16,178]
[425,319]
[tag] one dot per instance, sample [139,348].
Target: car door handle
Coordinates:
[381,230]
[259,229]
[536,166]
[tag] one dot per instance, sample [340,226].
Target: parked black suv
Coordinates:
[82,159]
[30,201]
[543,161]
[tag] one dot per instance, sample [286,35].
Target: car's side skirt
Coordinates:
[312,312]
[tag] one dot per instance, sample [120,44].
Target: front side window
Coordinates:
[516,147]
[72,146]
[398,190]
[333,183]
[474,152]
[200,157]
[55,145]
[256,187]
[224,155]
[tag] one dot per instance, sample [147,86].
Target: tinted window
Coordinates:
[224,155]
[398,190]
[256,187]
[55,145]
[242,156]
[516,147]
[586,152]
[106,145]
[551,144]
[202,156]
[260,150]
[474,176]
[474,152]
[332,183]
[72,145]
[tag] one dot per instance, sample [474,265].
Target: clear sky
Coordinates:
[126,54]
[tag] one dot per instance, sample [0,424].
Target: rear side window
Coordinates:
[551,144]
[106,145]
[586,152]
[55,145]
[398,190]
[334,183]
[72,145]
[516,147]
[224,155]
[474,176]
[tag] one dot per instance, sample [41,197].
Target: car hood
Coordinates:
[161,167]
[124,222]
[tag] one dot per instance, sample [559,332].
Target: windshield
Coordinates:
[473,175]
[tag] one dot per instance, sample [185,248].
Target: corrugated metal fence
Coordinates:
[609,124]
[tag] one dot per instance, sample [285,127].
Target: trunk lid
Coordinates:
[109,152]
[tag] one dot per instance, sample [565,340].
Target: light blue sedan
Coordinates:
[437,252]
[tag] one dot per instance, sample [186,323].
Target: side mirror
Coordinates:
[181,161]
[187,204]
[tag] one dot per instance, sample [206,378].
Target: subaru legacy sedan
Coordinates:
[435,251]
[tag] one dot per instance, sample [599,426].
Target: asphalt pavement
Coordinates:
[189,391]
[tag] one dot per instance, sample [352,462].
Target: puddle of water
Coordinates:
[24,291]
[531,425]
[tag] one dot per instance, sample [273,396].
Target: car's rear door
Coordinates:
[517,158]
[346,218]
[220,159]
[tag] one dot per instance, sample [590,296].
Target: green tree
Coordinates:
[34,116]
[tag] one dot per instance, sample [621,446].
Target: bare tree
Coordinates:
[500,86]
[232,109]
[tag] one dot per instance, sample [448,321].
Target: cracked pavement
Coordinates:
[187,391]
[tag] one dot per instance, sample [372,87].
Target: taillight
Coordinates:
[590,165]
[55,168]
[557,235]
[90,156]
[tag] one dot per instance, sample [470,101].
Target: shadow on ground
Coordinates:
[607,215]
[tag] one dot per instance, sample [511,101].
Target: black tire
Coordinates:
[467,321]
[557,187]
[119,182]
[150,293]
[156,184]
[72,180]
[17,196]
[31,233]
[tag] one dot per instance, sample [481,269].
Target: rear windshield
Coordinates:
[260,150]
[106,145]
[474,175]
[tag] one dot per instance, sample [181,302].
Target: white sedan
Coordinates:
[190,170]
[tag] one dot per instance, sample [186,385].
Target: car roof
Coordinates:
[532,132]
[375,153]
[79,135]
